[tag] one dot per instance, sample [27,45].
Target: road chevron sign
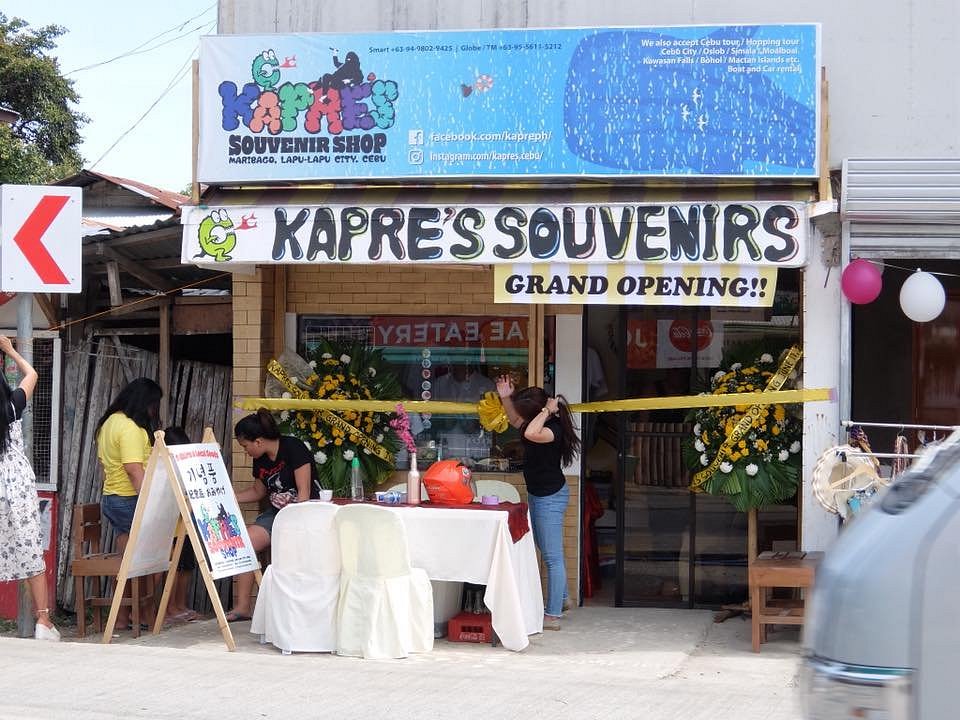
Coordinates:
[40,238]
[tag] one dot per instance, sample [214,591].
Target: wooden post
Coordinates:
[164,361]
[825,189]
[751,536]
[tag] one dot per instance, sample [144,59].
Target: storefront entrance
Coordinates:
[652,540]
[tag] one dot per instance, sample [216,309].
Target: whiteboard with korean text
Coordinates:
[216,513]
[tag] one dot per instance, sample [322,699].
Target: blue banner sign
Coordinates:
[697,101]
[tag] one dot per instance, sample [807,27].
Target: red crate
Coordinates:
[470,627]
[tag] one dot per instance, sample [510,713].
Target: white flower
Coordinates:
[380,438]
[718,375]
[320,457]
[704,460]
[326,356]
[700,446]
[783,456]
[345,359]
[285,415]
[286,396]
[751,469]
[367,451]
[736,366]
[725,467]
[696,429]
[348,454]
[294,378]
[313,364]
[371,372]
[766,358]
[795,446]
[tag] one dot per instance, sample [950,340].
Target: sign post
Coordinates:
[40,251]
[179,486]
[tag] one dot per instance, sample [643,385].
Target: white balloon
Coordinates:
[922,297]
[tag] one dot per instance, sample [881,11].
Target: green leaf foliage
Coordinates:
[41,146]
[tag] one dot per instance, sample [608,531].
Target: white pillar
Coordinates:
[569,367]
[821,368]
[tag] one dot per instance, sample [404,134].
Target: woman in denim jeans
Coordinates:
[550,443]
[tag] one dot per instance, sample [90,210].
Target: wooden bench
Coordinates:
[778,570]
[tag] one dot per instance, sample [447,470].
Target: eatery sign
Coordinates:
[679,101]
[770,234]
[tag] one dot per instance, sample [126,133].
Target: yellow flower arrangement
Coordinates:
[763,467]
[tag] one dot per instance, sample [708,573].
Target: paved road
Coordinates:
[604,664]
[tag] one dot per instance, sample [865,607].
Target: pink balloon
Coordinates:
[861,282]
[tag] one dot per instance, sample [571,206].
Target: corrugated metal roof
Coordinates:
[901,190]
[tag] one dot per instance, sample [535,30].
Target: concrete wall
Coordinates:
[889,62]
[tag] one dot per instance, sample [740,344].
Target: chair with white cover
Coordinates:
[503,490]
[297,604]
[386,606]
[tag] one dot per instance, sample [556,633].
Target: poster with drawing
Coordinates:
[215,510]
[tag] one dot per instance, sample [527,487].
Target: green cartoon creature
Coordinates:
[216,236]
[266,70]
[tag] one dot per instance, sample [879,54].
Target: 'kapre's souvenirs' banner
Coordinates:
[771,234]
[707,101]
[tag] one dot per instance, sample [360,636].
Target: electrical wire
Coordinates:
[177,77]
[138,49]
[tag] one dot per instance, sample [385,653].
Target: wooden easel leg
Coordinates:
[80,605]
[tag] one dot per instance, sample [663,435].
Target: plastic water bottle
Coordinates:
[356,480]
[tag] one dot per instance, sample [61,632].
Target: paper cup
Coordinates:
[326,495]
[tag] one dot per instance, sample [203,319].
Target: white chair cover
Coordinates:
[503,490]
[386,607]
[297,604]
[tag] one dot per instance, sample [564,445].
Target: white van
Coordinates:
[882,633]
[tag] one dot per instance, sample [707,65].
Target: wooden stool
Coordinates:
[778,570]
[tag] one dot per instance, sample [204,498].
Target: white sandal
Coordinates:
[42,632]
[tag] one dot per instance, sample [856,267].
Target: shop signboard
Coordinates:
[713,101]
[748,234]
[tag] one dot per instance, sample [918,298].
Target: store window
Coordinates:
[442,358]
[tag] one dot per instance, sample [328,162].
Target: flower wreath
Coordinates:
[340,370]
[760,468]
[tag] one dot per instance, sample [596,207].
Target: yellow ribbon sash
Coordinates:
[301,396]
[743,426]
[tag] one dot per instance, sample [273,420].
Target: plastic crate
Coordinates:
[470,627]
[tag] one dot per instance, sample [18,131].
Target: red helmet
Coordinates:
[449,482]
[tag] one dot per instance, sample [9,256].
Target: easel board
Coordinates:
[163,521]
[207,487]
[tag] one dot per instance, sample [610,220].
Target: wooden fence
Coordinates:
[96,370]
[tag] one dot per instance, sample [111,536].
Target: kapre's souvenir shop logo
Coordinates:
[340,101]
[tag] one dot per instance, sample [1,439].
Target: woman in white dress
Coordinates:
[21,547]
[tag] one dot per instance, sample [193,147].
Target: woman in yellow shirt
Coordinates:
[124,437]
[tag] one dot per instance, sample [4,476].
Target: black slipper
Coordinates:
[233,617]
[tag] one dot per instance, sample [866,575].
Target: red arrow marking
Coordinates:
[28,239]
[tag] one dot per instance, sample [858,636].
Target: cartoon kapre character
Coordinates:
[266,70]
[216,236]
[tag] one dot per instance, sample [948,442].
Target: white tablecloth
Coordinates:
[475,546]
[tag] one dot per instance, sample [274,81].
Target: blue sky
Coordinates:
[115,95]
